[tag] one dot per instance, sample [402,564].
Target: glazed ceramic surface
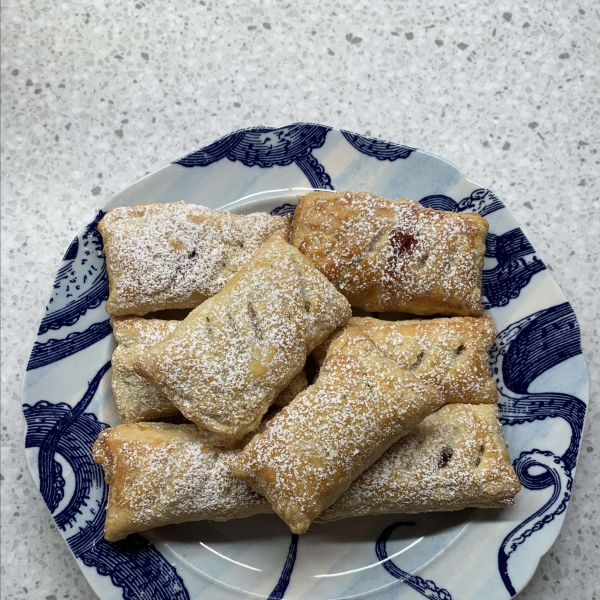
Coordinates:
[536,362]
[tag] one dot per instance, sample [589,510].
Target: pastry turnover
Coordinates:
[228,360]
[310,452]
[394,255]
[160,474]
[451,354]
[136,398]
[454,459]
[162,256]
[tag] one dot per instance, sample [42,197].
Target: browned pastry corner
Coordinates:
[136,398]
[394,255]
[161,474]
[449,353]
[225,364]
[455,458]
[175,255]
[310,452]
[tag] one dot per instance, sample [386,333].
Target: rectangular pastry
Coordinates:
[451,354]
[136,398]
[175,255]
[394,255]
[454,459]
[228,360]
[310,452]
[161,474]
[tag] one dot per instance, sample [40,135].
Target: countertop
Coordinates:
[96,95]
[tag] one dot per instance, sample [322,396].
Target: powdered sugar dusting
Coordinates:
[176,255]
[312,450]
[136,398]
[455,458]
[449,353]
[162,474]
[394,255]
[227,361]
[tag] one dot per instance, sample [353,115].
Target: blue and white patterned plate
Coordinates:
[537,363]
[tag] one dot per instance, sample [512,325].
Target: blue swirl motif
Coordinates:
[379,149]
[284,209]
[517,264]
[266,147]
[425,587]
[45,353]
[286,573]
[516,258]
[481,201]
[524,351]
[133,564]
[81,283]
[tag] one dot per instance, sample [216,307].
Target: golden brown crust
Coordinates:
[296,385]
[136,398]
[394,255]
[315,447]
[228,360]
[175,255]
[449,353]
[160,474]
[456,458]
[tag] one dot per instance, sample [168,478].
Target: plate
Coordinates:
[537,364]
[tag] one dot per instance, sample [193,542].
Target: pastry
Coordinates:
[161,474]
[451,354]
[455,458]
[310,452]
[394,255]
[228,360]
[164,256]
[296,385]
[136,398]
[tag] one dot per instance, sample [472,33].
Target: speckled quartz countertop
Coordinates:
[95,95]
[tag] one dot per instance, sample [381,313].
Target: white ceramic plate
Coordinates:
[537,363]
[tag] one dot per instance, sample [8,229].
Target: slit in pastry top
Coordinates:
[456,458]
[449,353]
[224,365]
[394,255]
[139,400]
[313,449]
[175,255]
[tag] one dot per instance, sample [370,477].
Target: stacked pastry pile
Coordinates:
[401,415]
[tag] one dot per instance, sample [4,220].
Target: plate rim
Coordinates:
[584,396]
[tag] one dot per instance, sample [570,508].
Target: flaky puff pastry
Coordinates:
[310,452]
[394,255]
[296,385]
[161,474]
[228,360]
[449,353]
[136,398]
[175,255]
[455,458]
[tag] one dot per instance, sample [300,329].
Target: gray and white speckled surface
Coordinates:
[97,94]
